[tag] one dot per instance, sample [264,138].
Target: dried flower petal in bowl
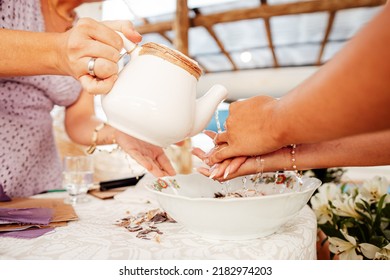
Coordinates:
[262,207]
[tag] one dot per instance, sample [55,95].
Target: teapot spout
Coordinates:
[206,106]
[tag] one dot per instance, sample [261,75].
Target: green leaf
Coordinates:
[378,217]
[386,210]
[387,234]
[330,230]
[365,215]
[378,241]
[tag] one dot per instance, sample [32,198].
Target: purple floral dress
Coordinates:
[29,161]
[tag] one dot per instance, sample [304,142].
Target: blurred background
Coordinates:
[250,46]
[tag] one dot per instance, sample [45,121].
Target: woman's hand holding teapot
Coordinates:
[92,50]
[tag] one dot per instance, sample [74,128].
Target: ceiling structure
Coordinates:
[231,35]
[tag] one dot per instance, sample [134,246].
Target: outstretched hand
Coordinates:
[242,165]
[249,130]
[149,156]
[220,171]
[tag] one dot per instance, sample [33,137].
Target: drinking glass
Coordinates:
[77,178]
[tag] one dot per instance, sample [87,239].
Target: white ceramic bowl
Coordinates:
[189,199]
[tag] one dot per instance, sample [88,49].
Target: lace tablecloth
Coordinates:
[95,236]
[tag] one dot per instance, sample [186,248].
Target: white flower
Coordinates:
[369,250]
[346,208]
[309,173]
[383,254]
[372,190]
[346,250]
[320,202]
[340,206]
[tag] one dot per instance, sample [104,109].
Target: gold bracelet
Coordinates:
[94,139]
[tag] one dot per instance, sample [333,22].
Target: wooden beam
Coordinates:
[267,25]
[326,36]
[181,25]
[221,47]
[265,11]
[219,43]
[165,36]
[163,26]
[146,21]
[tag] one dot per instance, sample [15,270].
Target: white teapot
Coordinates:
[154,98]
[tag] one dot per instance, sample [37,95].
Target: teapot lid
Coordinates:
[173,56]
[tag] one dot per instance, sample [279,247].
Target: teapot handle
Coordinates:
[128,45]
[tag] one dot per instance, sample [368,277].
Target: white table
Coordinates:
[95,236]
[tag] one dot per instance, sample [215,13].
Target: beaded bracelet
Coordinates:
[293,160]
[94,139]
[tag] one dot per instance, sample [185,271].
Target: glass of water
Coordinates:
[77,178]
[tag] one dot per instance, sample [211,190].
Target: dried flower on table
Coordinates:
[144,224]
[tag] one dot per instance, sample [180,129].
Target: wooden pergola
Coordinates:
[183,22]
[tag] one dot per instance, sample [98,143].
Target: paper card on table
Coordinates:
[40,216]
[26,234]
[17,227]
[62,212]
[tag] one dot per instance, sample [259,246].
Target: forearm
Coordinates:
[360,150]
[348,95]
[26,53]
[81,131]
[371,149]
[81,121]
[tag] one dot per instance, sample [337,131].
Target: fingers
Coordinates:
[165,164]
[226,168]
[204,171]
[248,167]
[91,39]
[97,86]
[138,157]
[150,165]
[102,51]
[104,68]
[218,170]
[126,27]
[221,138]
[103,31]
[200,154]
[215,155]
[220,153]
[237,167]
[234,165]
[156,169]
